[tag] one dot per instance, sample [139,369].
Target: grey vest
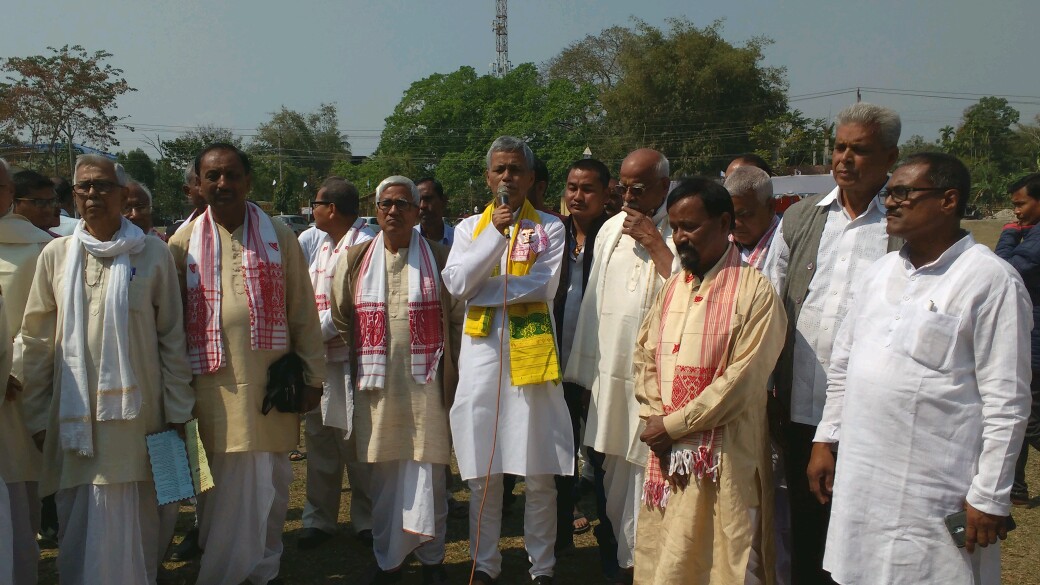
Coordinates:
[803,229]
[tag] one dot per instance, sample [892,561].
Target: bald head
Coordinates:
[643,181]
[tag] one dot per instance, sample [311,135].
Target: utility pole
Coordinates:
[501,66]
[859,97]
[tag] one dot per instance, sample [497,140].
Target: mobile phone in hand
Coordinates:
[957,524]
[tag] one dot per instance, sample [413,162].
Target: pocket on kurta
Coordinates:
[140,294]
[931,336]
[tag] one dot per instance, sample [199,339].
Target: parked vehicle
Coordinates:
[297,223]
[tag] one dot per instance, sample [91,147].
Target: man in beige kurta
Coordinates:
[713,524]
[242,517]
[105,496]
[401,425]
[20,245]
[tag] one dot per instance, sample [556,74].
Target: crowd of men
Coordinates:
[708,360]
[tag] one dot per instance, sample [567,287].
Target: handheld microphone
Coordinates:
[502,196]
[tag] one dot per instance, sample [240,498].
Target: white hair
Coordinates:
[511,144]
[189,172]
[144,188]
[6,166]
[886,119]
[662,168]
[398,180]
[749,179]
[96,160]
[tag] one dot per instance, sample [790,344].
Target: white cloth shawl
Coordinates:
[118,396]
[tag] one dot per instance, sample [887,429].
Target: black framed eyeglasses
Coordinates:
[41,203]
[99,187]
[900,194]
[316,203]
[386,204]
[636,189]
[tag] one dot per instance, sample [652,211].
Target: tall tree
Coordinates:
[789,140]
[445,123]
[139,166]
[594,60]
[66,96]
[691,94]
[985,133]
[311,141]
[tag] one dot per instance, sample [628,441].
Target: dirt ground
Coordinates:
[344,559]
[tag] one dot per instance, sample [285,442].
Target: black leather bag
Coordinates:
[285,386]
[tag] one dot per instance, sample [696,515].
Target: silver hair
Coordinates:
[189,172]
[749,179]
[886,119]
[398,180]
[511,144]
[144,188]
[96,160]
[6,166]
[662,168]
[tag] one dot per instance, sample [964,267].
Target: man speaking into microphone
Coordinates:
[509,415]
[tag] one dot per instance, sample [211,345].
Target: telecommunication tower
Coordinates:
[501,66]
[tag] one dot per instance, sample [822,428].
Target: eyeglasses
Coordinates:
[636,189]
[41,203]
[136,208]
[99,187]
[386,204]
[900,194]
[316,203]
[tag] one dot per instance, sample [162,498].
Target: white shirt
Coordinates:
[847,248]
[311,241]
[928,394]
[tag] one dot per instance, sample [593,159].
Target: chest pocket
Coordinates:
[931,337]
[140,293]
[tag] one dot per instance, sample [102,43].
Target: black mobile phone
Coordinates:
[957,525]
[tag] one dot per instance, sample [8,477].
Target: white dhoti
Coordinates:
[108,533]
[539,523]
[409,512]
[6,537]
[244,513]
[25,523]
[623,485]
[327,453]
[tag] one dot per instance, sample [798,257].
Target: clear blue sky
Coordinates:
[232,63]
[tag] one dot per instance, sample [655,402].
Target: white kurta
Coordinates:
[928,394]
[534,428]
[622,285]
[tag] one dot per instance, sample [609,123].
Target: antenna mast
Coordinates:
[501,66]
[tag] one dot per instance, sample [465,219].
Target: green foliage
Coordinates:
[64,97]
[138,165]
[181,151]
[917,144]
[790,140]
[995,153]
[445,123]
[691,94]
[985,133]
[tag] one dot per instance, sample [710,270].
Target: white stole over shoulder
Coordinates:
[118,395]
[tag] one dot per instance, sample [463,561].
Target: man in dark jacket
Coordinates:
[1019,244]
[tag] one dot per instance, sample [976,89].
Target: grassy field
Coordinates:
[344,559]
